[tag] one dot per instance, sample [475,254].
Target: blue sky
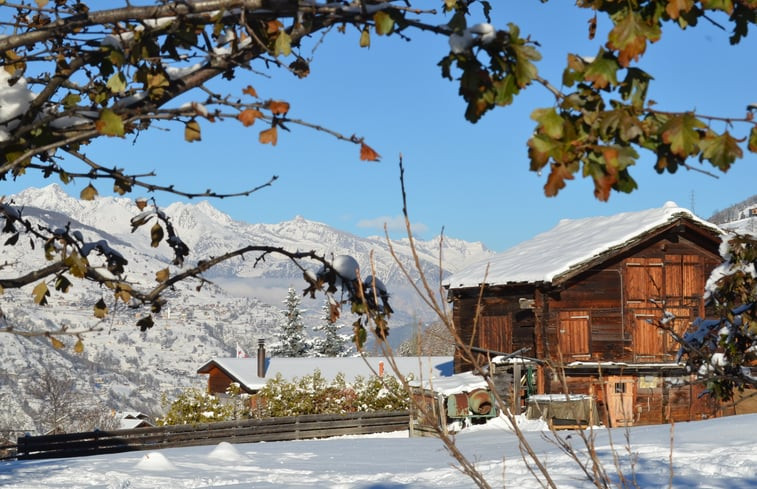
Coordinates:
[471,179]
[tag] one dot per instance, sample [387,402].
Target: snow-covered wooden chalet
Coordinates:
[585,296]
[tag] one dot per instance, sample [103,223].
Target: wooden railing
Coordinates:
[240,431]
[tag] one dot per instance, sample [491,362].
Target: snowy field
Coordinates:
[720,453]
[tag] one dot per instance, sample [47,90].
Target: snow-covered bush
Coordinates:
[313,394]
[198,406]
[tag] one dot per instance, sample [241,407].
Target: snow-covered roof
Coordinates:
[454,384]
[245,370]
[570,244]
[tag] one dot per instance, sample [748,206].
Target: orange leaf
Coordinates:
[556,179]
[269,136]
[278,107]
[367,153]
[248,116]
[250,91]
[274,26]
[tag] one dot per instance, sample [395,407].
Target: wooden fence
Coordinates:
[240,431]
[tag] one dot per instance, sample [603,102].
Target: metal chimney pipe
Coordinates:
[261,358]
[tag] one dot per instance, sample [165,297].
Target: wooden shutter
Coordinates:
[573,333]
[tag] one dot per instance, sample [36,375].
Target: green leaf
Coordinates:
[753,140]
[70,101]
[117,83]
[283,44]
[680,133]
[384,23]
[110,124]
[550,122]
[603,71]
[720,150]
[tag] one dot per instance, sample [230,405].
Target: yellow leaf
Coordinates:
[162,275]
[88,193]
[57,344]
[123,292]
[269,136]
[283,44]
[79,346]
[247,117]
[365,38]
[41,293]
[101,310]
[192,131]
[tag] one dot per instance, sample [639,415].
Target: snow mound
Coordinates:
[155,461]
[227,452]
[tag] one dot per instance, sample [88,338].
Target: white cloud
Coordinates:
[393,224]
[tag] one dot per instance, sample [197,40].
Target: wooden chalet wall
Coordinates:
[219,381]
[604,312]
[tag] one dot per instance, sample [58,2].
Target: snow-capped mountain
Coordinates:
[241,302]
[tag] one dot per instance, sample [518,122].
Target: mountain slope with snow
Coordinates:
[240,302]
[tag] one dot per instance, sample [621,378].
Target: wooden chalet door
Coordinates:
[654,287]
[573,334]
[619,397]
[495,333]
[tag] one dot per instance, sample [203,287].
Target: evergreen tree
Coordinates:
[291,339]
[332,343]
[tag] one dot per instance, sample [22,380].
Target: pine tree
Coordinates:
[291,339]
[332,343]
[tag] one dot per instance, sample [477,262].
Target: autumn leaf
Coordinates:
[384,23]
[156,235]
[268,136]
[603,71]
[283,44]
[753,140]
[88,193]
[630,35]
[675,7]
[593,27]
[365,38]
[123,292]
[368,154]
[247,117]
[278,107]
[550,122]
[680,133]
[161,275]
[141,203]
[57,344]
[250,91]
[556,179]
[79,346]
[720,150]
[192,131]
[62,284]
[145,323]
[724,5]
[274,26]
[101,309]
[41,293]
[117,83]
[110,124]
[76,264]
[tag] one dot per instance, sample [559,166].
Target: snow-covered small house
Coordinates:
[588,295]
[253,373]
